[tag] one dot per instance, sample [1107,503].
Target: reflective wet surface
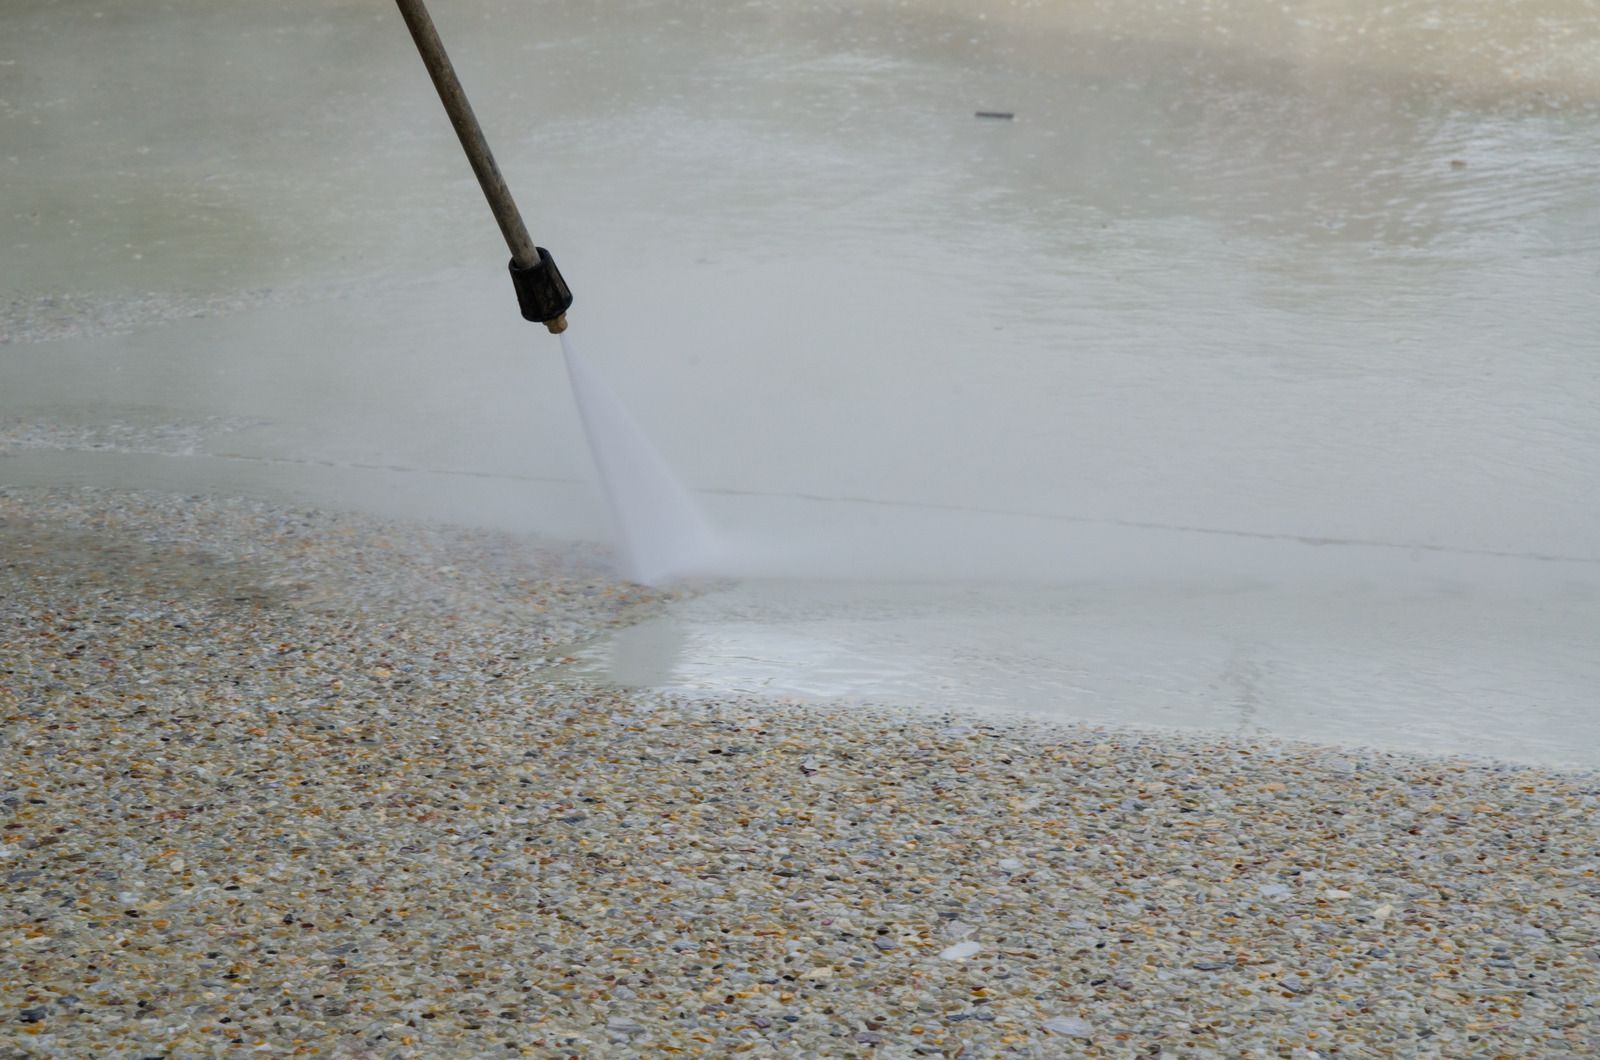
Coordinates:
[1261,292]
[1436,666]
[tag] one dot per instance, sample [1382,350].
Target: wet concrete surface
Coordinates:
[1219,304]
[1446,667]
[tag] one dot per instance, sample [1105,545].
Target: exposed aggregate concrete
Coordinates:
[309,784]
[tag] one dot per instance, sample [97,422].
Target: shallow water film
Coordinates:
[1293,296]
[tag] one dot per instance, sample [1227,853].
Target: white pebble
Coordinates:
[1069,1025]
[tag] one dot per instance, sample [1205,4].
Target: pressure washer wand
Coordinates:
[541,292]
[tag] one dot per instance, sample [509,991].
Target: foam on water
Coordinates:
[660,532]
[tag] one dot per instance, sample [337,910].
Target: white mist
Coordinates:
[660,532]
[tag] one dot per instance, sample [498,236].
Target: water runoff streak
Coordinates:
[659,530]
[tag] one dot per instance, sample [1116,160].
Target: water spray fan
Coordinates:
[542,294]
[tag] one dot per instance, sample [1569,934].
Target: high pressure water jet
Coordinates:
[659,527]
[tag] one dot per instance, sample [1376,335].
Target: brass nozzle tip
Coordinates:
[558,325]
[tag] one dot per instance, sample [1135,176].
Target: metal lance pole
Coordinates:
[541,292]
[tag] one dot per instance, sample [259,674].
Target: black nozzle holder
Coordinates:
[541,292]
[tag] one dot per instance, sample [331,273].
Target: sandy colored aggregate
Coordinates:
[290,783]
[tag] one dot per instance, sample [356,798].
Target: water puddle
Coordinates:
[1442,667]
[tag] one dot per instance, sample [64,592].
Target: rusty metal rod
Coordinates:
[542,293]
[470,133]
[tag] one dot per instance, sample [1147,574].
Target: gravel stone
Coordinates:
[286,782]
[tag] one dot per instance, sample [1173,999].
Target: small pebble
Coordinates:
[1071,1026]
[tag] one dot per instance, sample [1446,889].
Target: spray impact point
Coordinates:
[541,292]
